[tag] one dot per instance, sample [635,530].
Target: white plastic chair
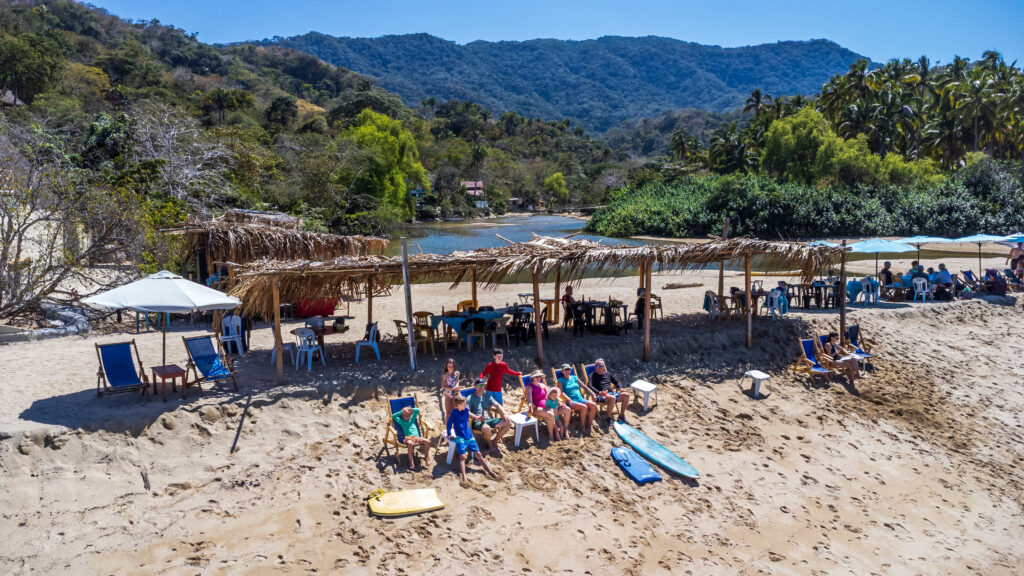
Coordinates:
[288,347]
[231,331]
[869,291]
[370,342]
[773,303]
[921,289]
[306,344]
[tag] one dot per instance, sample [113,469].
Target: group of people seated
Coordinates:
[483,409]
[941,284]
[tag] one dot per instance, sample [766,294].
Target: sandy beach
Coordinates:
[915,470]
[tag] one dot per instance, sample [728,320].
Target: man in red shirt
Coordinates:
[494,372]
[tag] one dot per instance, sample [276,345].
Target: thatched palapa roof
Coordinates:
[242,237]
[573,258]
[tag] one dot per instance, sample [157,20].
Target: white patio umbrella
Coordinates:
[878,246]
[164,292]
[979,239]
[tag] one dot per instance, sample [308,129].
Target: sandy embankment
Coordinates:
[917,470]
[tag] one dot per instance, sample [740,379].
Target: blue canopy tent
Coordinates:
[980,239]
[878,246]
[919,241]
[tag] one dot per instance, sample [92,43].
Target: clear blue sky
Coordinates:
[879,29]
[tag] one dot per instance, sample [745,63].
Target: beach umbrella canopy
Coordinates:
[164,292]
[1012,239]
[823,243]
[878,246]
[979,239]
[919,241]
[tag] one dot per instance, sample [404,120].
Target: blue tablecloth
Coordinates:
[456,321]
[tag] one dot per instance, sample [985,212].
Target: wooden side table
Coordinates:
[168,372]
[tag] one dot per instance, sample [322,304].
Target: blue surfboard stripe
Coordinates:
[634,466]
[653,451]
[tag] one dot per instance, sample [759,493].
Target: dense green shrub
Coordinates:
[985,197]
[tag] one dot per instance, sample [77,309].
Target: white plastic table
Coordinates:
[644,387]
[520,421]
[758,377]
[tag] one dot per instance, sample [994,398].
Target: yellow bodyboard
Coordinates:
[404,502]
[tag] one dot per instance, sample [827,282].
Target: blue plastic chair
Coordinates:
[117,372]
[206,363]
[370,342]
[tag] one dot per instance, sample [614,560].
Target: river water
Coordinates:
[447,237]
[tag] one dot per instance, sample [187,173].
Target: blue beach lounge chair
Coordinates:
[853,336]
[117,372]
[808,362]
[393,435]
[206,363]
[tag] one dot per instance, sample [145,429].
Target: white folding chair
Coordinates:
[306,344]
[231,331]
[869,291]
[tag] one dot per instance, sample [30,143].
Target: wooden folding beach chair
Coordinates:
[206,364]
[393,435]
[808,362]
[117,372]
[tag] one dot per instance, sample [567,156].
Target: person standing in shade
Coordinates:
[495,372]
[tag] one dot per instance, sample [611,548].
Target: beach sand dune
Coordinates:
[916,470]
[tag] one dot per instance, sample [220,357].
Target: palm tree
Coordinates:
[680,146]
[975,100]
[728,150]
[757,103]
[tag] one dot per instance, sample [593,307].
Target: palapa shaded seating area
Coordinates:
[262,286]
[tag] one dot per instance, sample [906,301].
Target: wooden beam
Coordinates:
[408,304]
[647,312]
[748,302]
[277,331]
[369,300]
[475,303]
[558,297]
[721,265]
[841,295]
[537,318]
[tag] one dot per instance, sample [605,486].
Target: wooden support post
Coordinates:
[748,302]
[369,300]
[841,295]
[647,311]
[406,280]
[558,297]
[277,331]
[538,320]
[475,303]
[721,265]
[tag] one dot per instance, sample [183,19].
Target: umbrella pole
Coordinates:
[876,265]
[979,259]
[164,362]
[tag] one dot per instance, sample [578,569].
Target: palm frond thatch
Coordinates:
[243,243]
[573,258]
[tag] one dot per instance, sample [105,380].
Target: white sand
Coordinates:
[916,471]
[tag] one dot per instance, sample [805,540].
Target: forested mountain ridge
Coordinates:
[598,83]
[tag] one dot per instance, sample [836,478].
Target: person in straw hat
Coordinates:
[537,396]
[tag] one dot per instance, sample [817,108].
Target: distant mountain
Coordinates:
[598,83]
